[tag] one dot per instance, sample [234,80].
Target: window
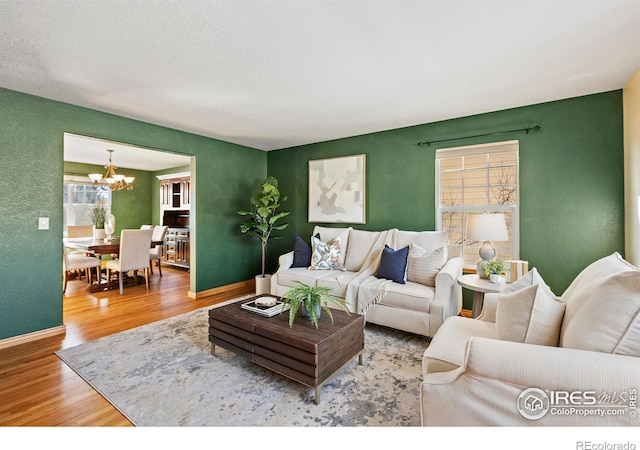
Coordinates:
[79,197]
[473,180]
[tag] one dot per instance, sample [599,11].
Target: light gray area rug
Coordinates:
[163,374]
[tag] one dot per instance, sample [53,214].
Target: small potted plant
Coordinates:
[312,301]
[98,217]
[261,222]
[495,269]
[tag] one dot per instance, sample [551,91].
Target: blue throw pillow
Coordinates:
[302,252]
[393,264]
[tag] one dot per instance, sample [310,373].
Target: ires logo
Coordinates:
[534,403]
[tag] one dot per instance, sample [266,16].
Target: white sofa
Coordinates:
[412,307]
[580,351]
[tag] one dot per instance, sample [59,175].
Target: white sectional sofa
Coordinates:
[413,306]
[534,359]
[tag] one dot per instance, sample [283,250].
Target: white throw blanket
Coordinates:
[365,290]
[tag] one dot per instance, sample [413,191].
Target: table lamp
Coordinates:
[486,228]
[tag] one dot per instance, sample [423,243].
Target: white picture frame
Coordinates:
[337,190]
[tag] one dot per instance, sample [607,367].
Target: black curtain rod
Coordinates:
[535,128]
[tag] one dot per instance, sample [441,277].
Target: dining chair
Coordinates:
[133,255]
[155,254]
[79,231]
[76,263]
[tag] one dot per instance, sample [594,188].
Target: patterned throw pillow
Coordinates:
[423,265]
[326,256]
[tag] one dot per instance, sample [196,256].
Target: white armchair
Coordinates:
[472,376]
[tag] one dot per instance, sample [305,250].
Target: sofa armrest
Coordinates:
[285,261]
[486,389]
[489,307]
[447,300]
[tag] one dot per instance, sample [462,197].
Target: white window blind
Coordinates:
[472,180]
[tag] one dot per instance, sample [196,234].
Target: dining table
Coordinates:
[99,248]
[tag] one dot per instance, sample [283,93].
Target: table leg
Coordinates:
[317,399]
[213,349]
[478,300]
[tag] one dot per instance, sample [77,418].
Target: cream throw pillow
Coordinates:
[530,315]
[423,265]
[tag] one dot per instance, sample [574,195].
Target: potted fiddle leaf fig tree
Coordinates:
[262,221]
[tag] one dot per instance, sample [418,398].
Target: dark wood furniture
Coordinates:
[97,246]
[302,353]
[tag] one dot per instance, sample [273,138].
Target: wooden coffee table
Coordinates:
[302,353]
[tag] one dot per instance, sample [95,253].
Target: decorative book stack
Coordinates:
[516,268]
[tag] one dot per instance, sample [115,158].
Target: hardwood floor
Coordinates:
[38,389]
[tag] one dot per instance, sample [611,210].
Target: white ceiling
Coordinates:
[89,150]
[274,74]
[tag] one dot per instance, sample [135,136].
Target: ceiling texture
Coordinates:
[276,74]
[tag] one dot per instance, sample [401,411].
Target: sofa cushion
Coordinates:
[529,315]
[330,233]
[423,265]
[603,308]
[429,240]
[303,275]
[337,281]
[393,264]
[360,242]
[410,296]
[326,255]
[302,251]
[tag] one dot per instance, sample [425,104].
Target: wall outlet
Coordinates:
[43,223]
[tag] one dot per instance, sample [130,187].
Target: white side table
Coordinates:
[479,286]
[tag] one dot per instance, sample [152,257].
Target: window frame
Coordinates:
[77,180]
[512,146]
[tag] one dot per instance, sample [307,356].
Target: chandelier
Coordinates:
[116,182]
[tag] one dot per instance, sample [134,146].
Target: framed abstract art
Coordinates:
[337,190]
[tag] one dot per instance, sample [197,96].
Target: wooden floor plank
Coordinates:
[38,389]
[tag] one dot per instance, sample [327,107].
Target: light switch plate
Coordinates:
[43,223]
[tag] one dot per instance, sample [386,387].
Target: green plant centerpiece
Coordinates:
[312,300]
[495,269]
[264,214]
[98,216]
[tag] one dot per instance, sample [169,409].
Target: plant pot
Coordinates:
[307,315]
[496,278]
[263,284]
[99,233]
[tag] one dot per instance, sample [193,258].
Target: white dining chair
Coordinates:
[133,256]
[79,231]
[77,263]
[155,254]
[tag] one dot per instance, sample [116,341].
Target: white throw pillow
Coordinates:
[423,265]
[529,315]
[603,308]
[326,256]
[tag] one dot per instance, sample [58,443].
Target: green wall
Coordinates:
[571,190]
[31,174]
[571,179]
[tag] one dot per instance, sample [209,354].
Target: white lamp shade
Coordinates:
[487,227]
